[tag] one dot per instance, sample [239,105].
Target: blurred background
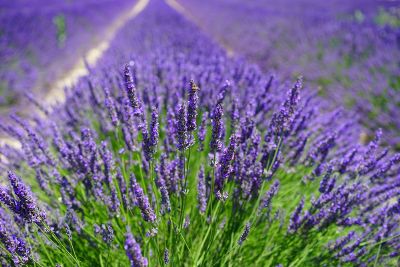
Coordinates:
[41,40]
[348,51]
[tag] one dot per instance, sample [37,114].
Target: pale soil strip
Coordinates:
[184,12]
[93,55]
[56,94]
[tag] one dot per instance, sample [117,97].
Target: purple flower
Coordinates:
[295,220]
[161,184]
[106,231]
[110,105]
[266,200]
[245,234]
[133,251]
[143,202]
[131,90]
[17,247]
[217,129]
[201,191]
[192,106]
[107,162]
[281,121]
[223,91]
[25,206]
[154,128]
[183,141]
[166,256]
[202,131]
[122,188]
[225,166]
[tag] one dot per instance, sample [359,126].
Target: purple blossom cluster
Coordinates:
[348,50]
[43,40]
[167,117]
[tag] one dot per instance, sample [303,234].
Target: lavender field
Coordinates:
[200,133]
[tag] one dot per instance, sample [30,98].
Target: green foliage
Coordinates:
[59,22]
[385,17]
[211,239]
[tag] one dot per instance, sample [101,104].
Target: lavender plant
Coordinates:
[351,57]
[158,160]
[43,40]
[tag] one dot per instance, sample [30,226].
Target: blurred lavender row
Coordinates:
[145,98]
[350,50]
[42,39]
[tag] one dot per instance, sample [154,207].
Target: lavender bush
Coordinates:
[348,50]
[41,40]
[172,153]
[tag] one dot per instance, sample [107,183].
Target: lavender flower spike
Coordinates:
[266,200]
[225,166]
[130,89]
[295,219]
[202,192]
[192,106]
[202,131]
[133,251]
[110,105]
[181,129]
[143,202]
[26,206]
[245,234]
[166,256]
[154,134]
[217,128]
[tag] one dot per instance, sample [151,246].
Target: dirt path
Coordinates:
[79,70]
[184,12]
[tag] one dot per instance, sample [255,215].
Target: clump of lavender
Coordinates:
[83,166]
[202,191]
[25,204]
[245,234]
[193,99]
[183,141]
[134,252]
[142,201]
[217,128]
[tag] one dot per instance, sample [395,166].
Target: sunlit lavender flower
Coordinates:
[266,200]
[16,246]
[131,90]
[225,166]
[193,100]
[295,220]
[223,91]
[245,234]
[161,184]
[186,222]
[154,127]
[201,191]
[166,256]
[110,105]
[133,251]
[281,121]
[202,131]
[217,128]
[181,129]
[106,231]
[342,241]
[221,196]
[234,114]
[25,206]
[143,202]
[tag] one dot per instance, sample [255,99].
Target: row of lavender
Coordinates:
[349,49]
[185,157]
[41,40]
